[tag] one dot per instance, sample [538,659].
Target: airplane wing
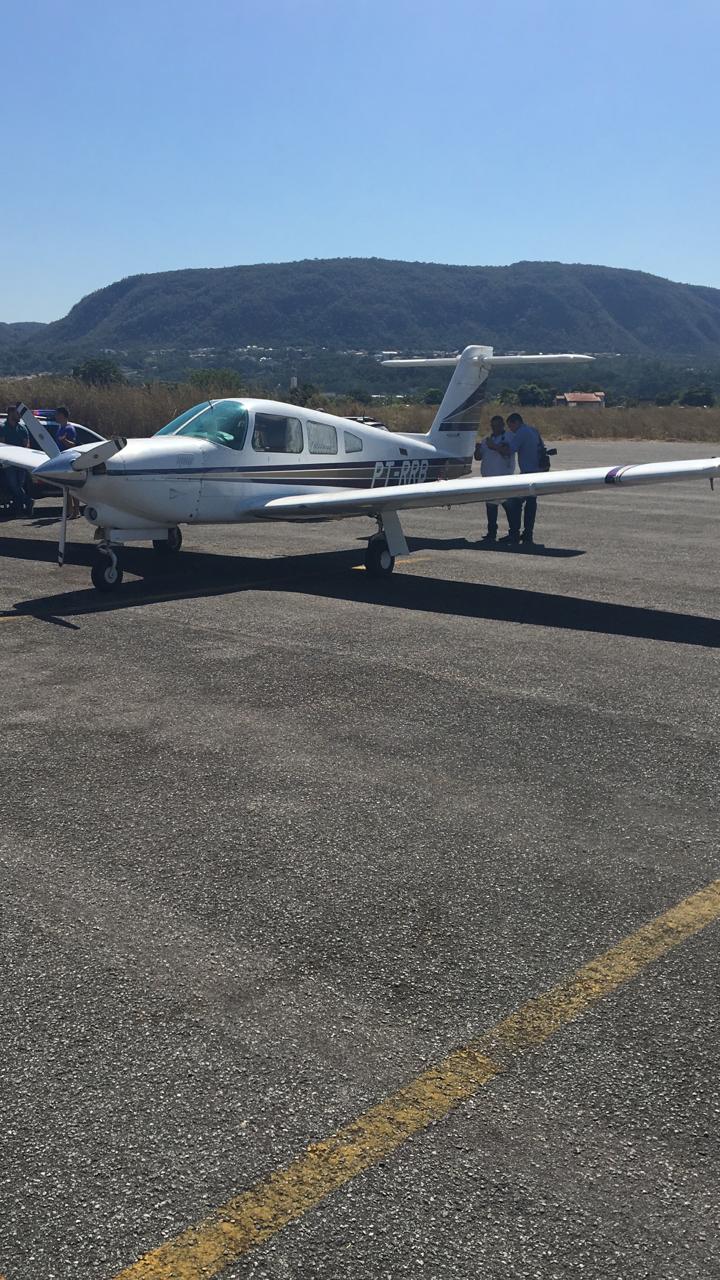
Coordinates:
[448,493]
[13,455]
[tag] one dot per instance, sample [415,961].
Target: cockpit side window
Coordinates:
[353,443]
[276,434]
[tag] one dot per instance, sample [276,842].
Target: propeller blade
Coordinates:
[38,432]
[63,528]
[93,455]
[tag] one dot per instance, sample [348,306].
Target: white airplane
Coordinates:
[233,461]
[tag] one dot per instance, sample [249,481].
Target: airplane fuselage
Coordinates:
[173,479]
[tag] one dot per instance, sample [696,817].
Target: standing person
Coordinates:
[526,442]
[496,459]
[15,432]
[66,437]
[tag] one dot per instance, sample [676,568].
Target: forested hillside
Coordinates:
[370,304]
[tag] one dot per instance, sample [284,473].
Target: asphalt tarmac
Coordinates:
[276,838]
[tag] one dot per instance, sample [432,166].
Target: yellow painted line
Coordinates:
[411,559]
[206,1249]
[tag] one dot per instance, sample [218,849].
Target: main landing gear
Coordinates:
[385,545]
[378,560]
[168,546]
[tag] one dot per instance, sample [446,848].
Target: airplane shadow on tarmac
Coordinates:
[327,575]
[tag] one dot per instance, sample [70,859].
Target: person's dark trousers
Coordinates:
[513,511]
[492,517]
[530,514]
[15,481]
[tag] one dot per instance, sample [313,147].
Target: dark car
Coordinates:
[83,435]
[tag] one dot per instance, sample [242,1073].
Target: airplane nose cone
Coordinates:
[59,470]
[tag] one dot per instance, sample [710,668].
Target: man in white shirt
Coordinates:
[497,459]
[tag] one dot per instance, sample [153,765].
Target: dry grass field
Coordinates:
[140,411]
[646,422]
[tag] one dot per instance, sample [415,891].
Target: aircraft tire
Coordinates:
[168,546]
[378,561]
[105,575]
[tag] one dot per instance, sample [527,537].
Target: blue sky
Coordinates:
[154,135]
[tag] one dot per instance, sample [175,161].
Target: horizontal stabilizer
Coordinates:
[568,357]
[492,361]
[436,362]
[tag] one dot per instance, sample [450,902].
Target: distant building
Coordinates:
[581,400]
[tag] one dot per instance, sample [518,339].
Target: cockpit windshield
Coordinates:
[220,421]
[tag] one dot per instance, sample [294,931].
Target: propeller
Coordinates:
[94,455]
[38,432]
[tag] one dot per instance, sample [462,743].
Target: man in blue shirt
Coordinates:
[526,442]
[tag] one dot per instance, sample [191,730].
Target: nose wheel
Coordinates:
[106,572]
[378,560]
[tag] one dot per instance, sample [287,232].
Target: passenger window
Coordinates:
[322,437]
[274,434]
[353,444]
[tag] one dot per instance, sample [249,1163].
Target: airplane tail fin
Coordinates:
[456,422]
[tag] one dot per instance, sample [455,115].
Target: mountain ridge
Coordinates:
[376,303]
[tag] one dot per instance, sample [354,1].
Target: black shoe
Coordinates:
[489,537]
[528,539]
[511,538]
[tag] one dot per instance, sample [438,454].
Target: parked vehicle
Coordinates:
[83,435]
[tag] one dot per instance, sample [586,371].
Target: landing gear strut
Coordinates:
[106,572]
[168,546]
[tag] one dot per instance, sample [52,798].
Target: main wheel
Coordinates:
[168,546]
[106,574]
[378,560]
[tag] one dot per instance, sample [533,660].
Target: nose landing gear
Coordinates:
[106,572]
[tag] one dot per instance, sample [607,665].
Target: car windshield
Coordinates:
[220,421]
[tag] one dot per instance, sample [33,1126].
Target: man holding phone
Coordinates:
[497,459]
